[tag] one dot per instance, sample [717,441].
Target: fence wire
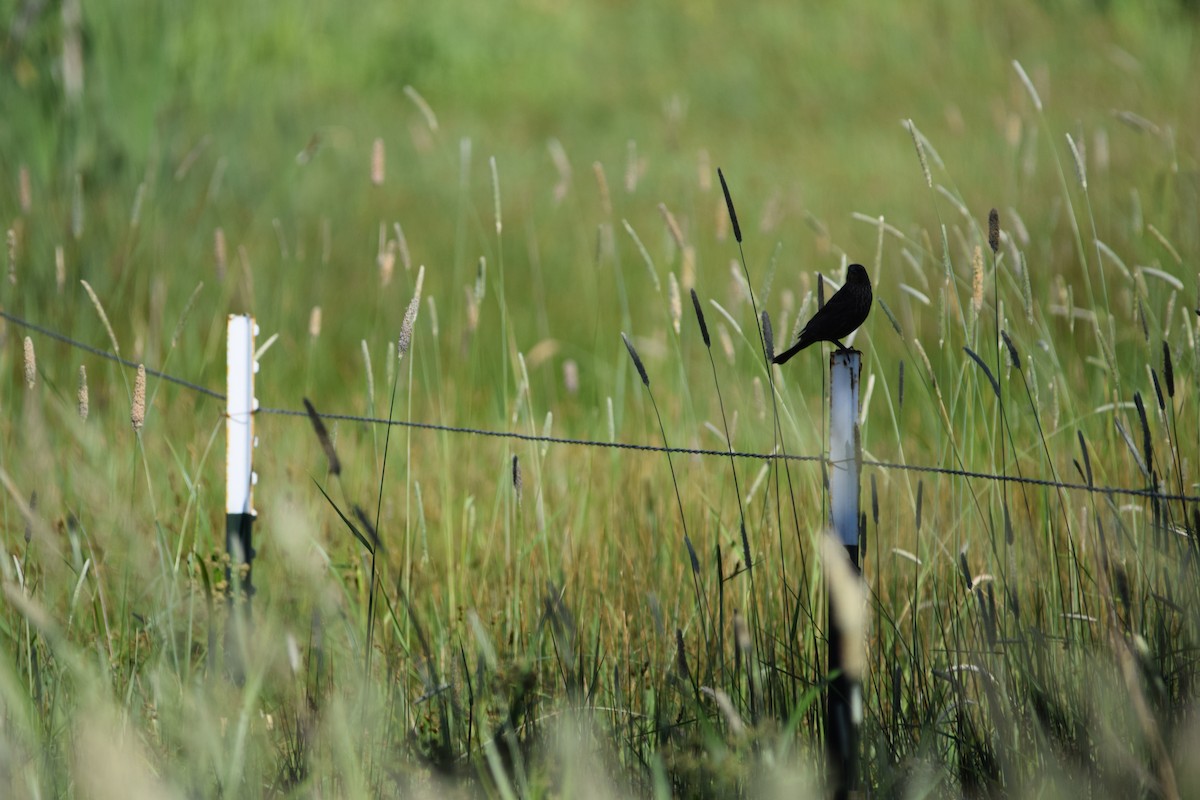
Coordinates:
[1146,493]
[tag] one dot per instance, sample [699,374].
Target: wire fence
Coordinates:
[1124,491]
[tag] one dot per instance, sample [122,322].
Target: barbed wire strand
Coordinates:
[696,451]
[645,448]
[96,351]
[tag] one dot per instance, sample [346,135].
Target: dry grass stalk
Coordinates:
[410,317]
[676,302]
[633,167]
[60,269]
[687,272]
[726,342]
[977,280]
[433,317]
[848,603]
[645,254]
[82,394]
[378,162]
[423,107]
[138,414]
[912,130]
[112,337]
[314,322]
[562,165]
[220,253]
[30,364]
[1157,234]
[1033,93]
[672,225]
[72,51]
[496,194]
[387,262]
[571,376]
[187,310]
[366,354]
[602,185]
[11,241]
[1077,157]
[25,190]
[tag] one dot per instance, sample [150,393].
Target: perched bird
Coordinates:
[837,319]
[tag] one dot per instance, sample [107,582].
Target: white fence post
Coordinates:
[240,443]
[844,710]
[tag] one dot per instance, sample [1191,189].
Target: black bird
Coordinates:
[837,319]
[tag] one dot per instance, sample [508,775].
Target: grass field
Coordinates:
[532,180]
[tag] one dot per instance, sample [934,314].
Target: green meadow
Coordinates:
[449,214]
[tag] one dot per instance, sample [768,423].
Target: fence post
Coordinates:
[844,709]
[240,443]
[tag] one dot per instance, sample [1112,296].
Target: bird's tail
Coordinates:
[791,351]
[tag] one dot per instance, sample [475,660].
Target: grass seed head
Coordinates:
[378,162]
[25,191]
[977,280]
[314,322]
[1168,370]
[1012,350]
[571,376]
[737,229]
[137,415]
[994,231]
[423,107]
[517,481]
[1029,87]
[676,302]
[83,393]
[602,186]
[11,240]
[700,319]
[1077,158]
[637,360]
[30,364]
[912,131]
[410,317]
[768,336]
[672,225]
[220,253]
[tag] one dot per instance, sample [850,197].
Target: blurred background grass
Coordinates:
[801,104]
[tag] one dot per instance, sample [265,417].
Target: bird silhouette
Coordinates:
[837,319]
